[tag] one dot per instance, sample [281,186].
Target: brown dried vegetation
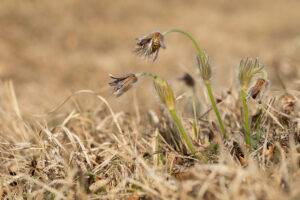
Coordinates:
[95,151]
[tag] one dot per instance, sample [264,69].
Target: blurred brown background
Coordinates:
[52,48]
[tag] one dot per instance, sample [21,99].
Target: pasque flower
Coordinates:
[150,44]
[204,67]
[166,96]
[165,93]
[248,72]
[123,83]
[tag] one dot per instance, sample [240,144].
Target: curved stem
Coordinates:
[150,75]
[190,37]
[185,136]
[207,84]
[216,109]
[247,123]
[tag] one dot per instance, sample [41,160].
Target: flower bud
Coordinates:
[249,71]
[165,93]
[204,67]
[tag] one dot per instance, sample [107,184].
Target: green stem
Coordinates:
[185,136]
[207,84]
[190,37]
[196,110]
[150,75]
[247,123]
[258,119]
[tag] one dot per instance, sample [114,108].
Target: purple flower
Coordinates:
[150,44]
[123,83]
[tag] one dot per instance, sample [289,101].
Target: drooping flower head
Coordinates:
[259,88]
[165,93]
[123,83]
[150,44]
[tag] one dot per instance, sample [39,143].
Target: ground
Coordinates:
[51,49]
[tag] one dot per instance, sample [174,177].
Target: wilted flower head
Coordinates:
[165,93]
[123,83]
[249,71]
[259,87]
[150,44]
[204,67]
[188,80]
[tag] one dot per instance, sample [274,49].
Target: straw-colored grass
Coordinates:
[89,155]
[91,145]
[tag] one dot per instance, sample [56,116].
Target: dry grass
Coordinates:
[97,147]
[101,154]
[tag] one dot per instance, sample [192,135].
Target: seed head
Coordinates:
[150,44]
[248,72]
[165,93]
[204,67]
[123,83]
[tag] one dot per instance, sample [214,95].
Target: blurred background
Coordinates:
[50,49]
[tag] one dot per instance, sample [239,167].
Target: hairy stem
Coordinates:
[246,113]
[196,110]
[207,84]
[190,37]
[216,109]
[181,129]
[150,75]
